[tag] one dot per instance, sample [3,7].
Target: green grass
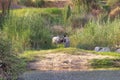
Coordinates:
[15,66]
[105,63]
[31,55]
[31,24]
[95,63]
[97,33]
[29,11]
[69,51]
[114,54]
[73,51]
[109,53]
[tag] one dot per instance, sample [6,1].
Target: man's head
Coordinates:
[64,35]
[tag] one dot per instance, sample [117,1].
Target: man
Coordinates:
[66,41]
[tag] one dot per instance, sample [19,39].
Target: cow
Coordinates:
[61,40]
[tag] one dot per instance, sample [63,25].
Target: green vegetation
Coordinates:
[95,63]
[15,65]
[36,33]
[32,3]
[105,63]
[96,34]
[111,2]
[24,30]
[51,11]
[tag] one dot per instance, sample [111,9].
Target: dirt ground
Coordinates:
[63,61]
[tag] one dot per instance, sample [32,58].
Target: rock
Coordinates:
[102,49]
[66,62]
[118,51]
[97,49]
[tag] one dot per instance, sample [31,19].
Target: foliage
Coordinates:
[54,11]
[17,31]
[40,33]
[5,48]
[96,34]
[67,12]
[32,3]
[111,2]
[105,63]
[14,64]
[84,5]
[31,29]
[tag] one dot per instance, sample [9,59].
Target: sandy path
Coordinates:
[62,61]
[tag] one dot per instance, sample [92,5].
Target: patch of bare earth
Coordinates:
[62,61]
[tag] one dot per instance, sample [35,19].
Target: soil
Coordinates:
[63,61]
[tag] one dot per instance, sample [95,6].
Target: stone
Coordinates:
[97,49]
[102,49]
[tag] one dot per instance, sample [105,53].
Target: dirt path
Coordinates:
[63,61]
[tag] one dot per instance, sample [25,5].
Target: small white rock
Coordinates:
[102,49]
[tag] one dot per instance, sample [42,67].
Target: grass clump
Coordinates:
[14,65]
[105,63]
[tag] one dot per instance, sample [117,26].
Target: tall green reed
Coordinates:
[17,30]
[98,34]
[30,30]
